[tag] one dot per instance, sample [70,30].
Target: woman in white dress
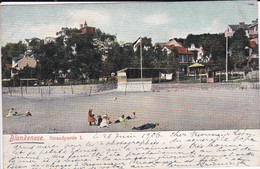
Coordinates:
[104,122]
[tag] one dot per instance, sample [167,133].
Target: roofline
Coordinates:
[140,68]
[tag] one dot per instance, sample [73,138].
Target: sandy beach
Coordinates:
[174,109]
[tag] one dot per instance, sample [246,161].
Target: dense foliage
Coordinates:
[90,56]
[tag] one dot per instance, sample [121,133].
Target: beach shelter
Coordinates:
[197,65]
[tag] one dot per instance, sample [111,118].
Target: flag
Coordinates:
[137,43]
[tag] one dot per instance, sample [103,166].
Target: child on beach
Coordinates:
[131,117]
[104,122]
[10,112]
[99,120]
[108,119]
[27,113]
[121,119]
[91,117]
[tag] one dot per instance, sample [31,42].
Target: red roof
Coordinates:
[252,44]
[181,50]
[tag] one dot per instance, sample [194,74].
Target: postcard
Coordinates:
[98,85]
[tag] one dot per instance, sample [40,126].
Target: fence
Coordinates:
[206,86]
[134,86]
[42,91]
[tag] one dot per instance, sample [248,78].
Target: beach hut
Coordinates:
[208,68]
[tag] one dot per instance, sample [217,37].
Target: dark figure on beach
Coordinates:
[131,117]
[146,126]
[28,113]
[99,120]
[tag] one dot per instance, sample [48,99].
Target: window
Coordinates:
[185,58]
[190,58]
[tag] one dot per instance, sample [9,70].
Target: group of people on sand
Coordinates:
[12,112]
[105,121]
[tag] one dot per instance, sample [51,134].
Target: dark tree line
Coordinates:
[82,57]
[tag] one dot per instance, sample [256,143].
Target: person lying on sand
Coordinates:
[16,114]
[114,99]
[27,113]
[146,126]
[121,119]
[131,117]
[10,113]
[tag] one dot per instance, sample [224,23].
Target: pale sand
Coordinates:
[174,109]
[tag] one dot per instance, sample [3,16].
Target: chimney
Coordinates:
[81,26]
[242,25]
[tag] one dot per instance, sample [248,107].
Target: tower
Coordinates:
[85,24]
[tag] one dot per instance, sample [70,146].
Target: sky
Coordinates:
[160,21]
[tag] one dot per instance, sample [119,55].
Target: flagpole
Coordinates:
[226,58]
[141,60]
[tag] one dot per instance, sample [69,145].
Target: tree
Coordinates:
[215,45]
[46,64]
[9,51]
[36,46]
[238,44]
[87,61]
[115,59]
[172,62]
[180,40]
[72,31]
[27,72]
[147,53]
[159,57]
[195,54]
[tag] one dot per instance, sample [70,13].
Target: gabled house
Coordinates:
[253,31]
[231,29]
[28,41]
[252,60]
[200,53]
[18,63]
[186,57]
[49,40]
[26,61]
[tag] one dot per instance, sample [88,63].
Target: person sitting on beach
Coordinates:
[99,120]
[121,119]
[91,117]
[10,112]
[146,126]
[114,99]
[108,119]
[131,117]
[27,113]
[104,122]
